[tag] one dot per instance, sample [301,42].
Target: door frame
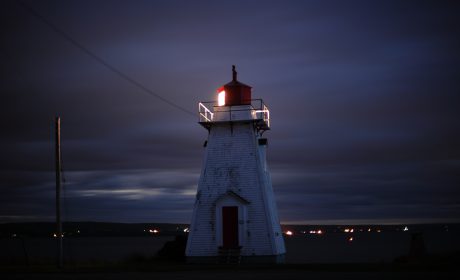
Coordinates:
[242,220]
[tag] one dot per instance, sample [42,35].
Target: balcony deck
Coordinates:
[257,112]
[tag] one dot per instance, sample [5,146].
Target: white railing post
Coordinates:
[260,112]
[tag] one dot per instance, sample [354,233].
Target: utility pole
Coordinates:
[58,193]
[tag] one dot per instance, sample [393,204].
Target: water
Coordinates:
[337,247]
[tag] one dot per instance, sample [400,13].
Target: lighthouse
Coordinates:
[235,217]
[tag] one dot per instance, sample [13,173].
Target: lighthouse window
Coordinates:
[221,98]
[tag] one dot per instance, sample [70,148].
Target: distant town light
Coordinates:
[350,239]
[346,230]
[154,231]
[405,228]
[319,232]
[186,229]
[289,233]
[221,98]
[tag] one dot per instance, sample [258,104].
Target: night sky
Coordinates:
[364,99]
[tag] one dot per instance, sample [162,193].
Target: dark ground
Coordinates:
[384,255]
[176,271]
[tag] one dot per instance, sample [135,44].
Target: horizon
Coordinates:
[325,223]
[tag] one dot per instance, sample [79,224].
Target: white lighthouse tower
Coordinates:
[235,217]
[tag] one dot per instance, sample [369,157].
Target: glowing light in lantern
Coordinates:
[221,98]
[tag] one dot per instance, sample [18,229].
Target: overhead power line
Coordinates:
[93,55]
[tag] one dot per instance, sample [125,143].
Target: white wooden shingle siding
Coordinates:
[234,163]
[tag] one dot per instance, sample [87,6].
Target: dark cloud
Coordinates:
[363,98]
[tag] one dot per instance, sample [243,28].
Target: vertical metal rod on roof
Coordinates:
[58,193]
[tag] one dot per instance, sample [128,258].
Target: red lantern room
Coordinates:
[234,104]
[234,93]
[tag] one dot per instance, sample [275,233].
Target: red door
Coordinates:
[230,227]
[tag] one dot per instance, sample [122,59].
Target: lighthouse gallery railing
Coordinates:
[257,109]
